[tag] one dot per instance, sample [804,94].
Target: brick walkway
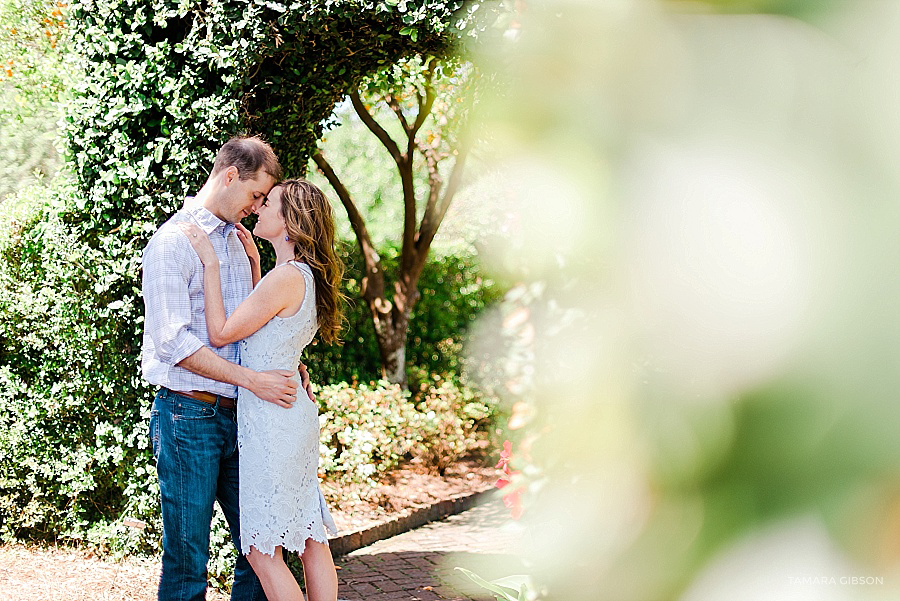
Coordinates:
[419,565]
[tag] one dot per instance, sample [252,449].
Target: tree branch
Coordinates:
[395,106]
[373,286]
[425,109]
[435,181]
[411,254]
[404,166]
[376,129]
[432,220]
[408,249]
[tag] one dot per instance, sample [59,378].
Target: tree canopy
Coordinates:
[166,82]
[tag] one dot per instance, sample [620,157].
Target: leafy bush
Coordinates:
[368,430]
[73,408]
[165,84]
[455,420]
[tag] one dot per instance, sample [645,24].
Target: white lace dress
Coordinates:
[281,503]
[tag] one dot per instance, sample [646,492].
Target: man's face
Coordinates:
[239,197]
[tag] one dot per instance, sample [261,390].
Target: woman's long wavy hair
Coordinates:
[310,226]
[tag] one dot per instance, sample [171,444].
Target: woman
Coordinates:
[281,503]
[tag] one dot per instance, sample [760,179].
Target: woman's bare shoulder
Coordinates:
[284,277]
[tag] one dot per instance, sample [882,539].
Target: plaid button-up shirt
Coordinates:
[175,317]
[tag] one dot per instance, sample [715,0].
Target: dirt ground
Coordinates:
[58,574]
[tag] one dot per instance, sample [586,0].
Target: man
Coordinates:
[193,423]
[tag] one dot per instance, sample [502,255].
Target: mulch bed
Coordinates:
[402,491]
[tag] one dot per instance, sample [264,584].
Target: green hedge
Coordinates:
[165,83]
[73,446]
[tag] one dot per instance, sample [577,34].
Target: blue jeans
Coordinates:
[195,445]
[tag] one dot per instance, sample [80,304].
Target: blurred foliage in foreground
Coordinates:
[702,358]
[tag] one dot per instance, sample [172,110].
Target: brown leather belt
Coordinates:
[208,397]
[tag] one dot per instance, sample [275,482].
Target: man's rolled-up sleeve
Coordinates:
[166,272]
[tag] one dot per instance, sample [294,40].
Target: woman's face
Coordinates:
[270,225]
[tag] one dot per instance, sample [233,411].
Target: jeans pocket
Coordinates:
[186,408]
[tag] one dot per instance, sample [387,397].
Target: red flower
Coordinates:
[505,457]
[514,504]
[511,500]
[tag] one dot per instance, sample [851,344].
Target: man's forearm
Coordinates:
[209,365]
[274,386]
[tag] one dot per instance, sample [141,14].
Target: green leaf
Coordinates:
[501,592]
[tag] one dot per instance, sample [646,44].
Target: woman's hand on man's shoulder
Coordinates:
[199,242]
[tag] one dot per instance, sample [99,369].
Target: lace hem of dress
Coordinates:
[293,543]
[266,542]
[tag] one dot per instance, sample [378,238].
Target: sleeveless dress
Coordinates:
[280,499]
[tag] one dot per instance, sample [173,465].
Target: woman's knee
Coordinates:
[316,551]
[262,562]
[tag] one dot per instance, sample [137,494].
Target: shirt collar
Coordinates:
[206,221]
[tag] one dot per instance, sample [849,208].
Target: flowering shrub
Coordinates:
[74,452]
[368,430]
[453,419]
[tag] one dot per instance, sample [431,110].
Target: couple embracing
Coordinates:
[234,419]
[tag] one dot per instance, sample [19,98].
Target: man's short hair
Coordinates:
[250,155]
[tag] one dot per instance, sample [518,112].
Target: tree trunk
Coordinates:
[393,363]
[391,328]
